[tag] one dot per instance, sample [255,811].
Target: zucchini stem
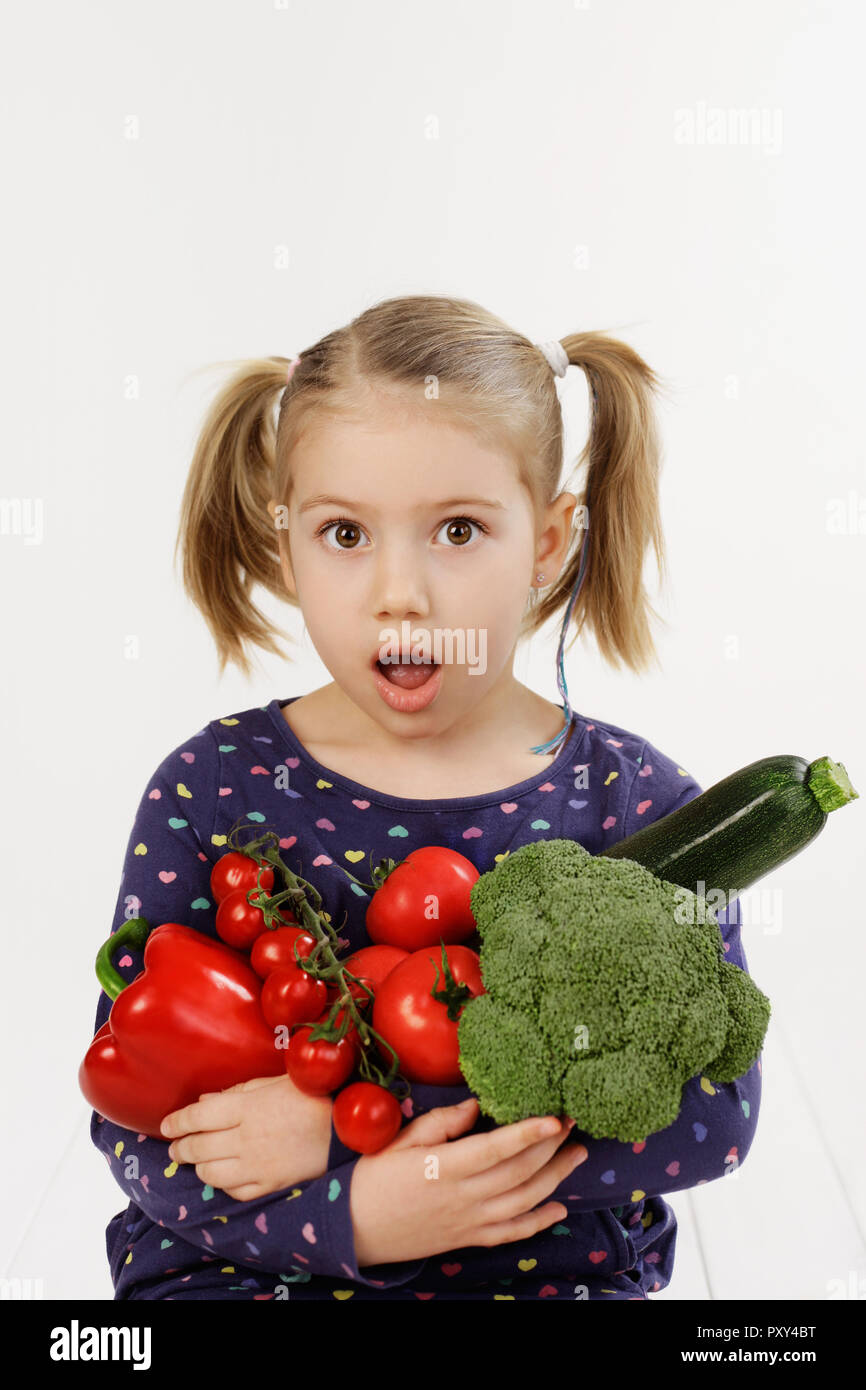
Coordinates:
[830,784]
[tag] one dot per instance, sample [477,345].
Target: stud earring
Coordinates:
[539,579]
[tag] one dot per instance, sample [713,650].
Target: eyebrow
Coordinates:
[321,500]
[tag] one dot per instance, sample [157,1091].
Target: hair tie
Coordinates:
[556,356]
[292,365]
[553,745]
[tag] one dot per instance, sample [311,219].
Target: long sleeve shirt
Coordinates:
[181,1238]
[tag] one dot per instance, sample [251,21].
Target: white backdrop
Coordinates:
[194,182]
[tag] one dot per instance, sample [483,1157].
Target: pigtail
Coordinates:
[226,532]
[621,503]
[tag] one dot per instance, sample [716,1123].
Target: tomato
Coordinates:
[239,922]
[358,993]
[289,996]
[234,871]
[425,899]
[415,1024]
[278,947]
[320,1067]
[366,1117]
[373,963]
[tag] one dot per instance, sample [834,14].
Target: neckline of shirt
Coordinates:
[569,751]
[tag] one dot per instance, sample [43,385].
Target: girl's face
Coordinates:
[407,532]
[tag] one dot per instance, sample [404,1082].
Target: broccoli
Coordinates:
[601,1002]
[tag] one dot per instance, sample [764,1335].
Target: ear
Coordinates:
[554,539]
[279,520]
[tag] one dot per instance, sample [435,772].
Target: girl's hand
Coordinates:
[422,1195]
[254,1138]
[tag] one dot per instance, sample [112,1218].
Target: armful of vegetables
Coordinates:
[274,994]
[271,996]
[606,982]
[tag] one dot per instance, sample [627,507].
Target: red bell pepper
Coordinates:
[189,1022]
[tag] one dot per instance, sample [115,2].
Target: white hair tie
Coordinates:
[556,356]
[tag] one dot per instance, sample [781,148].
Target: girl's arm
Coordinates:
[717,1122]
[709,1138]
[305,1227]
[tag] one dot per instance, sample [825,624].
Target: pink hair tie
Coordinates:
[292,365]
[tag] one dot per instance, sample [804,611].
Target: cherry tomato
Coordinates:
[278,947]
[366,1117]
[425,899]
[289,996]
[234,871]
[415,1024]
[239,922]
[320,1067]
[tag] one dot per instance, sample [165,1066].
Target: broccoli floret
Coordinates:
[607,989]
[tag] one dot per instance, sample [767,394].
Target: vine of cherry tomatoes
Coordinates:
[400,997]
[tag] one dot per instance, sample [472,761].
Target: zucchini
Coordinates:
[741,828]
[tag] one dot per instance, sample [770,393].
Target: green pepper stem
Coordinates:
[134,933]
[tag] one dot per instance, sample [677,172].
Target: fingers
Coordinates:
[247,1193]
[511,1202]
[228,1175]
[478,1153]
[522,1227]
[437,1126]
[521,1167]
[213,1110]
[205,1147]
[259,1081]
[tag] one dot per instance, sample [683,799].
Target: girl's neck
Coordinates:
[490,757]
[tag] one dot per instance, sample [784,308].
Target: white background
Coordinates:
[194,182]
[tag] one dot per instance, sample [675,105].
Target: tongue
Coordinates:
[408,674]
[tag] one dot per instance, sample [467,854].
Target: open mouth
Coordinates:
[408,675]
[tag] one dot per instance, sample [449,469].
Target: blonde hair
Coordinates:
[484,377]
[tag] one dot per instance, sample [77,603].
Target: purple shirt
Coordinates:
[179,1238]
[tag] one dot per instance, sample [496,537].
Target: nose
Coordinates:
[401,584]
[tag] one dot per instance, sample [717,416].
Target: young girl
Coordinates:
[409,486]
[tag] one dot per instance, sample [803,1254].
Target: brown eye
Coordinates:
[340,534]
[459,530]
[341,530]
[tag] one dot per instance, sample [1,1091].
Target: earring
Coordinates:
[539,579]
